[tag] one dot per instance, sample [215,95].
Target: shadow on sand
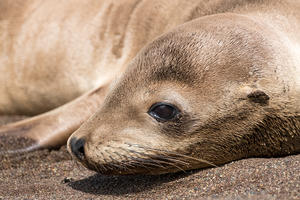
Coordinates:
[121,185]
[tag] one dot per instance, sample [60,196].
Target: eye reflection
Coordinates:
[163,111]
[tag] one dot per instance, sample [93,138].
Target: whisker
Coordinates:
[154,157]
[122,159]
[159,161]
[118,163]
[130,165]
[140,163]
[174,160]
[149,162]
[173,153]
[104,168]
[135,165]
[98,168]
[172,164]
[126,151]
[136,157]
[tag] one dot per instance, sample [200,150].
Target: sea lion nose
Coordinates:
[77,147]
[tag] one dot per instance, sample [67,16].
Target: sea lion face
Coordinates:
[186,101]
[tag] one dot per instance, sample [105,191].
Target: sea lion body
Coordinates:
[53,52]
[61,58]
[223,74]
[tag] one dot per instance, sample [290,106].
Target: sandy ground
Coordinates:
[53,175]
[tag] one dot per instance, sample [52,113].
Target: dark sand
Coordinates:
[53,175]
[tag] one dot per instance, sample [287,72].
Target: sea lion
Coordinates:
[221,83]
[61,57]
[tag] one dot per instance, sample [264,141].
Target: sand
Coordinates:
[53,175]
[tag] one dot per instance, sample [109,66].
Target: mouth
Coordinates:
[135,166]
[142,160]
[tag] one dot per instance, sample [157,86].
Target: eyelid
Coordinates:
[162,103]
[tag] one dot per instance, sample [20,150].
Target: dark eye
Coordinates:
[163,111]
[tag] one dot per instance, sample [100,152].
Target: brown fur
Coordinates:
[233,72]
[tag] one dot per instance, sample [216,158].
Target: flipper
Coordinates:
[53,128]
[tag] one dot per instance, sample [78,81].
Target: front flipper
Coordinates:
[53,128]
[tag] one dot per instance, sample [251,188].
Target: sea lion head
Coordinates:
[190,99]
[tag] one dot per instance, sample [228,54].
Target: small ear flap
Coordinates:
[258,96]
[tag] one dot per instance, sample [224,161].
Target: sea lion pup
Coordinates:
[220,88]
[213,90]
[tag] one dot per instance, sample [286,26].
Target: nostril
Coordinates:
[81,150]
[77,147]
